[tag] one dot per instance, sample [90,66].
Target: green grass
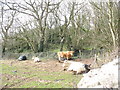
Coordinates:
[29,77]
[33,84]
[58,49]
[6,69]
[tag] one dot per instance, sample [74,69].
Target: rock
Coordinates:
[104,77]
[36,59]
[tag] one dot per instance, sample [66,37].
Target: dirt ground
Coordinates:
[48,65]
[28,70]
[49,73]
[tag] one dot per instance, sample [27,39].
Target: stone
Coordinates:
[104,77]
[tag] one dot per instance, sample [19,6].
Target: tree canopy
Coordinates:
[46,25]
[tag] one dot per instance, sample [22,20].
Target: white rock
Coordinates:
[106,76]
[36,59]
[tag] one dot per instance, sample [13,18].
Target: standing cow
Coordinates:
[67,55]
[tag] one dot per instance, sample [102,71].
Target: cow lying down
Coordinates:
[76,67]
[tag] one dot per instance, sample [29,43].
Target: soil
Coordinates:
[47,65]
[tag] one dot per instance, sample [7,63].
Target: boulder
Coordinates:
[104,77]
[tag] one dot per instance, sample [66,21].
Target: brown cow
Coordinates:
[65,54]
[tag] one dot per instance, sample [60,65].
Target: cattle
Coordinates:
[22,58]
[65,54]
[76,67]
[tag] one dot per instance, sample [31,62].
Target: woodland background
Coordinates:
[55,25]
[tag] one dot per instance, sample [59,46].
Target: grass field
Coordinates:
[45,74]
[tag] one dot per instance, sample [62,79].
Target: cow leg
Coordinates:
[74,72]
[67,58]
[59,58]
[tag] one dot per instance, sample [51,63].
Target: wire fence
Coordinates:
[81,54]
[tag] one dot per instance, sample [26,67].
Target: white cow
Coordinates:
[76,67]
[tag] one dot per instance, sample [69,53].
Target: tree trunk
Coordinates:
[118,28]
[3,49]
[41,46]
[61,44]
[113,36]
[69,43]
[111,25]
[1,53]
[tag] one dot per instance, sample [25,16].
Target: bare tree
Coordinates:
[106,21]
[65,19]
[7,19]
[40,11]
